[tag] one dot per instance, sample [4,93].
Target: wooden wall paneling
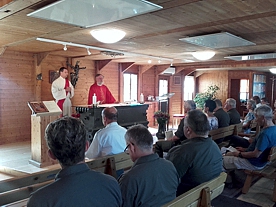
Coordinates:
[220,79]
[17,87]
[140,84]
[37,83]
[269,85]
[121,84]
[148,83]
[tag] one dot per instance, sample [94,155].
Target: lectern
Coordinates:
[43,113]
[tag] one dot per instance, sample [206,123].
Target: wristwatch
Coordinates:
[240,155]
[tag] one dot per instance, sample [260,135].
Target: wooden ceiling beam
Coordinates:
[231,64]
[145,68]
[100,64]
[12,7]
[126,66]
[41,57]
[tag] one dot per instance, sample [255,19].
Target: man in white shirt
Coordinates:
[63,91]
[109,140]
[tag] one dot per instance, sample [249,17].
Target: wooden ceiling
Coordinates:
[155,34]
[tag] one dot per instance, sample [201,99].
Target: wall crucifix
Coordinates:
[75,75]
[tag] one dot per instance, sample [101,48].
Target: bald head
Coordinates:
[109,114]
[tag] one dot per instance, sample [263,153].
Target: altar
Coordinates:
[128,115]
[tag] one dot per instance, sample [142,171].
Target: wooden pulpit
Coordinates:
[39,121]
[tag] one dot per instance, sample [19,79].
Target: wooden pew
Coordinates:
[269,171]
[200,195]
[224,132]
[20,188]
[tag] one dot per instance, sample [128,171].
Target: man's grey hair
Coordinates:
[231,102]
[140,136]
[198,122]
[264,111]
[190,104]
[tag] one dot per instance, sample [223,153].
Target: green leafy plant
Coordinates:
[210,93]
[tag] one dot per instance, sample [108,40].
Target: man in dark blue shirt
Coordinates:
[75,184]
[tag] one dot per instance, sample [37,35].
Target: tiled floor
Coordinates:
[16,156]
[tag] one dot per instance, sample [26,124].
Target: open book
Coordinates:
[44,108]
[37,107]
[247,138]
[225,149]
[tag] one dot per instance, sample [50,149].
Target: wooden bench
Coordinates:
[200,195]
[269,171]
[223,132]
[20,188]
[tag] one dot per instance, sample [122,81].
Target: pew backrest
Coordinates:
[200,195]
[20,188]
[222,132]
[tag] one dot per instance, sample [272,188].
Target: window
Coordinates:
[130,87]
[244,90]
[163,86]
[189,88]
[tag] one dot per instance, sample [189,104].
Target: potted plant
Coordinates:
[161,118]
[210,93]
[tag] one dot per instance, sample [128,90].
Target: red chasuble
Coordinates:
[103,94]
[60,102]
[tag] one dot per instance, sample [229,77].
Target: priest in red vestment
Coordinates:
[101,91]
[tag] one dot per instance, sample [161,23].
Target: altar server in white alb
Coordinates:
[63,91]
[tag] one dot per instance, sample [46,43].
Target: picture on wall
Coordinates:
[53,75]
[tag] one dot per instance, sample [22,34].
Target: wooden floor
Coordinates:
[16,157]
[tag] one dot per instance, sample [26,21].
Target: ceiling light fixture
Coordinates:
[65,48]
[272,70]
[252,57]
[112,54]
[218,40]
[73,12]
[108,36]
[88,52]
[203,55]
[149,61]
[102,49]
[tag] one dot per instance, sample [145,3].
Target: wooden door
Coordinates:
[235,94]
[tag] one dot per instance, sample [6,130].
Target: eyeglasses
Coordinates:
[126,149]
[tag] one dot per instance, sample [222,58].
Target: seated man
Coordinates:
[75,184]
[198,159]
[152,181]
[109,140]
[255,156]
[222,116]
[165,146]
[230,106]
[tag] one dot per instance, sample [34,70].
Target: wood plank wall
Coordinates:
[220,79]
[17,80]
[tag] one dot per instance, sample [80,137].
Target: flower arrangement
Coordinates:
[161,117]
